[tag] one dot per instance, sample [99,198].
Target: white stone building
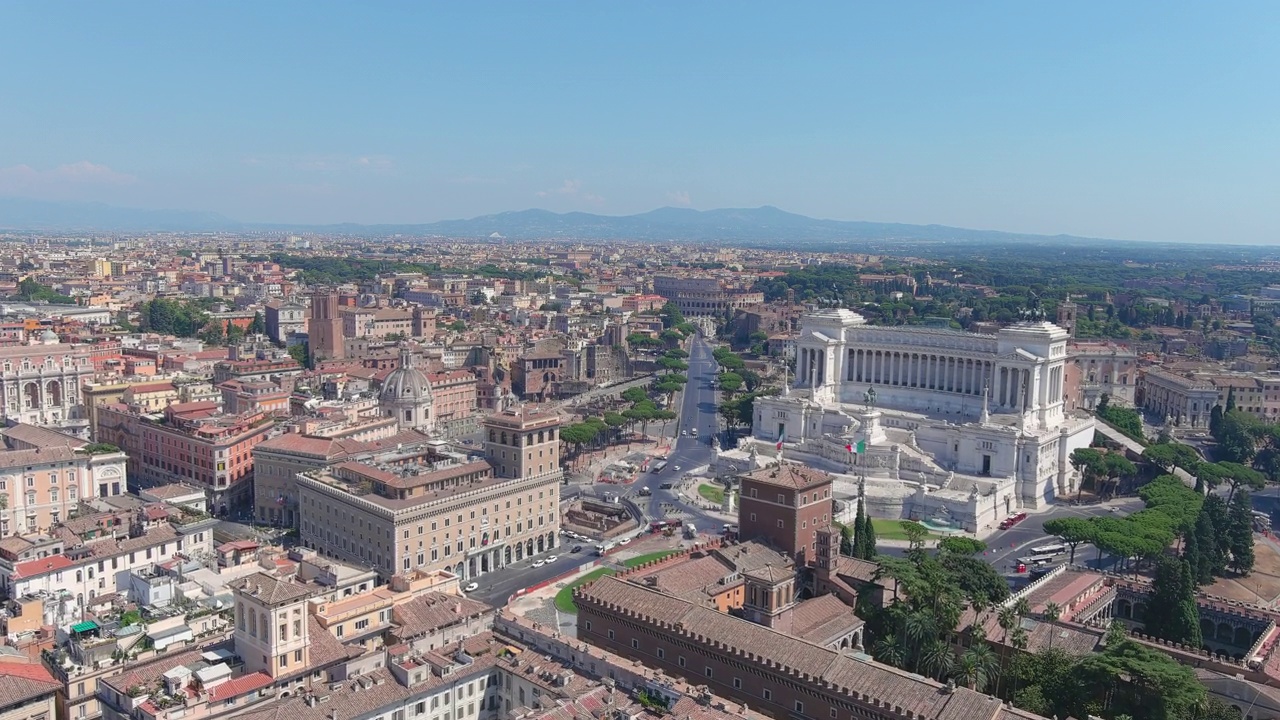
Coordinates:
[40,384]
[964,429]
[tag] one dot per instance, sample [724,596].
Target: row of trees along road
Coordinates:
[598,432]
[1215,539]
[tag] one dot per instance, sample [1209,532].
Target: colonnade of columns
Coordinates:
[1011,387]
[811,366]
[919,370]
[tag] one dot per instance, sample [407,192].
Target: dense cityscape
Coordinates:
[578,360]
[355,477]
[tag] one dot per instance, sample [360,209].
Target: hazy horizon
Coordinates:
[1140,122]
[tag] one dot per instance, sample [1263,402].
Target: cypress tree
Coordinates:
[1195,559]
[1171,612]
[1216,511]
[859,534]
[1215,420]
[1208,560]
[1240,532]
[1231,399]
[1186,617]
[868,539]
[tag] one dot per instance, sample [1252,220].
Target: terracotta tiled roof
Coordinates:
[41,566]
[323,648]
[38,456]
[21,681]
[752,555]
[821,619]
[433,611]
[43,437]
[692,579]
[271,590]
[790,476]
[848,674]
[239,686]
[771,574]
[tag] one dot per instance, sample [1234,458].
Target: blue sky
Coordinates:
[1130,120]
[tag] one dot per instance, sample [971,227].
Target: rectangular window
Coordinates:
[680,661]
[737,683]
[799,707]
[767,694]
[635,644]
[707,671]
[662,653]
[611,637]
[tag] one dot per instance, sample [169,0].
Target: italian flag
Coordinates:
[781,438]
[858,449]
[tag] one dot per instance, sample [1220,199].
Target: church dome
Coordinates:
[406,384]
[49,337]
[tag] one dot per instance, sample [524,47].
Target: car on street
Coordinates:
[667,485]
[552,558]
[624,541]
[539,563]
[677,467]
[471,587]
[576,549]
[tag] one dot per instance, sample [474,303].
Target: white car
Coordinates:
[624,541]
[677,468]
[552,558]
[471,587]
[539,563]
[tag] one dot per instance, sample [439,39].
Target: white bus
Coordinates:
[1057,549]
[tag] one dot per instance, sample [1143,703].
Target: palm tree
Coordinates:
[1051,614]
[889,651]
[919,626]
[1022,608]
[1019,640]
[936,660]
[1007,618]
[979,666]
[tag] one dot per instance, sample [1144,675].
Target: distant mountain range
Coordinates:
[763,225]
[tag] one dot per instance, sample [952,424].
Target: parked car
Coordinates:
[539,563]
[471,587]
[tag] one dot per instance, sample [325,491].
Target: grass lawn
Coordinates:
[712,493]
[564,598]
[639,560]
[891,530]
